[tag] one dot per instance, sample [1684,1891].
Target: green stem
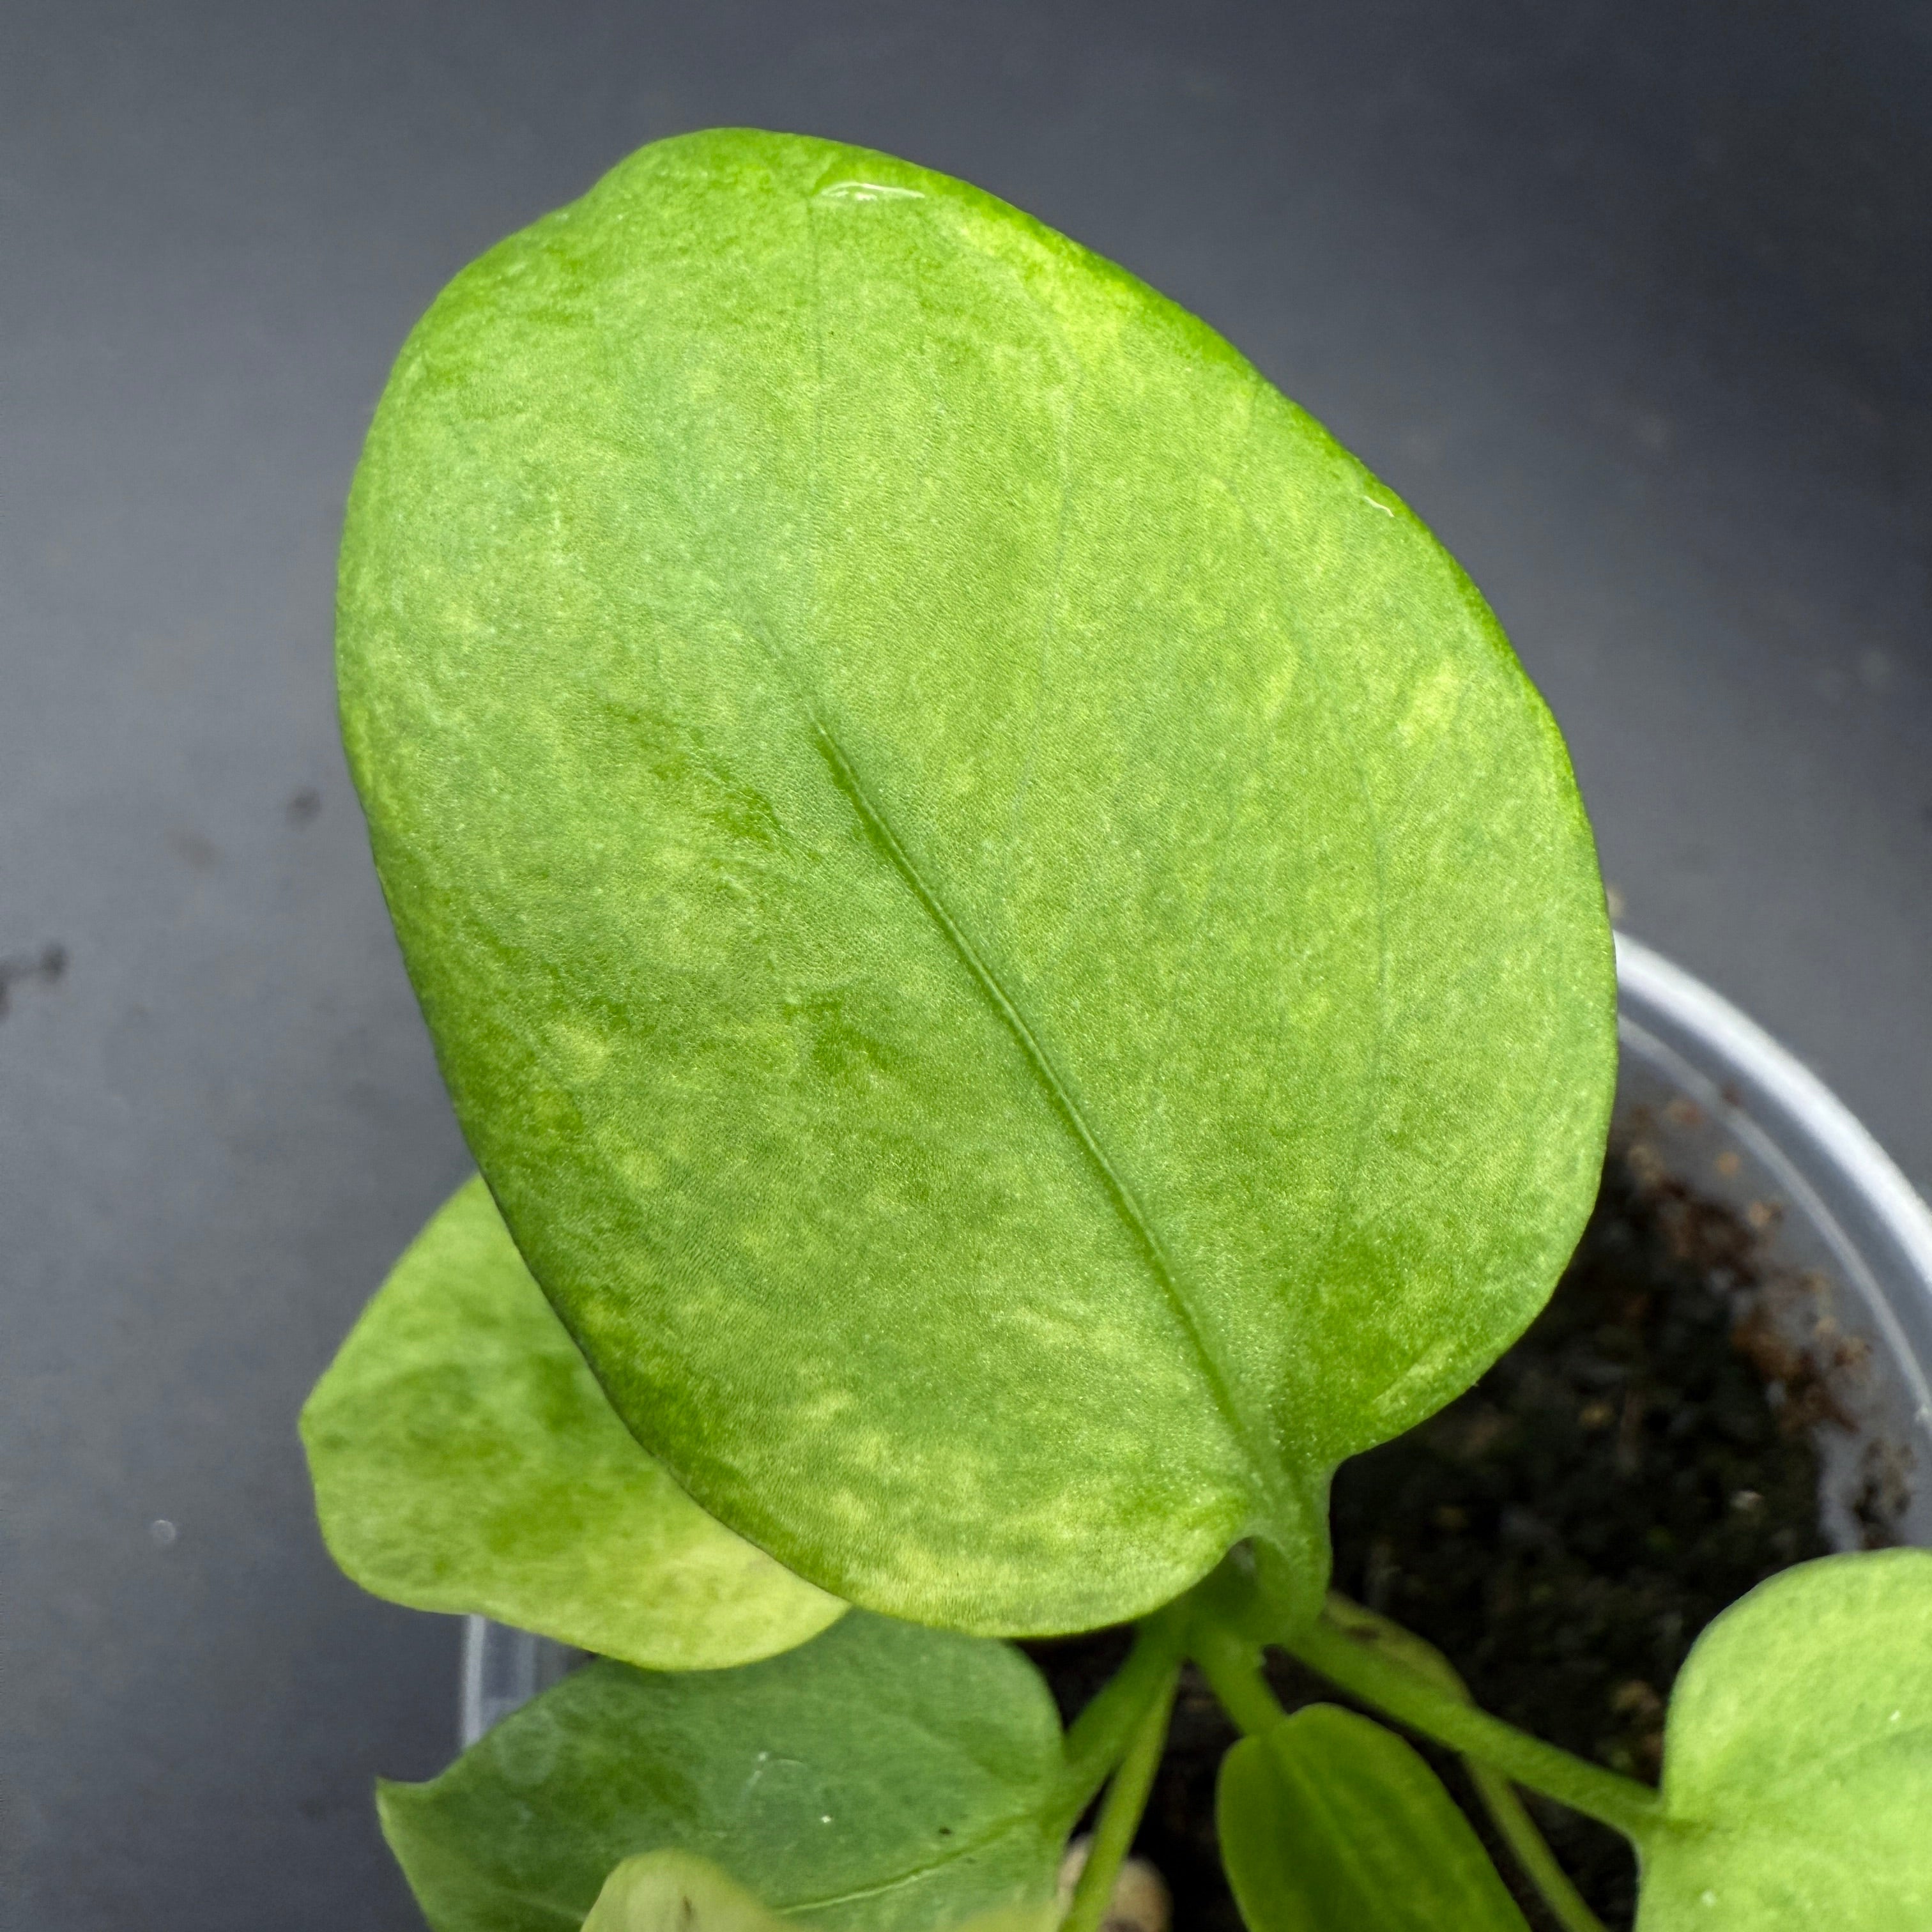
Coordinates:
[1513,1824]
[1530,1850]
[1097,1737]
[1230,1659]
[1353,1660]
[1231,1663]
[1121,1813]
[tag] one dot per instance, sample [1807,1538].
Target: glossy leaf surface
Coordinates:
[881,1778]
[1023,960]
[1329,1823]
[1798,1759]
[464,1458]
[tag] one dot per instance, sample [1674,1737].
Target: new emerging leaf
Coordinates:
[1329,1823]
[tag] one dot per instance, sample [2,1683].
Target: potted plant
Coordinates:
[1027,979]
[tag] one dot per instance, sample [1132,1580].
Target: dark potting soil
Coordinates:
[1642,1457]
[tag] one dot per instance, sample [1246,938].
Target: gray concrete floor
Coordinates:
[1630,300]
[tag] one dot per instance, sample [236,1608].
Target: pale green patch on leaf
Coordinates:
[464,1458]
[673,1892]
[1023,960]
[881,1778]
[1798,1759]
[1329,1823]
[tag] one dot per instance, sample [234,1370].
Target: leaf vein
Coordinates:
[1263,1463]
[1120,1194]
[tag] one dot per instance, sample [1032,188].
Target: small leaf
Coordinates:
[673,1891]
[881,1778]
[1798,1759]
[1023,960]
[464,1458]
[1329,1823]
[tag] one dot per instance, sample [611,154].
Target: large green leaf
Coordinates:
[882,1778]
[1329,1823]
[1021,957]
[464,1458]
[1798,1759]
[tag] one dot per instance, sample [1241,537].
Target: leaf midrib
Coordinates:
[1119,1191]
[1264,1467]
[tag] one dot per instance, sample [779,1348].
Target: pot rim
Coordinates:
[1891,1200]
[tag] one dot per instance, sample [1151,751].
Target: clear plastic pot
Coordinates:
[1717,1104]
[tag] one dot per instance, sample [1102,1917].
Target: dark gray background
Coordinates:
[1629,300]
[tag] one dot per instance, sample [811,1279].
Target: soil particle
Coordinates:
[1642,1457]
